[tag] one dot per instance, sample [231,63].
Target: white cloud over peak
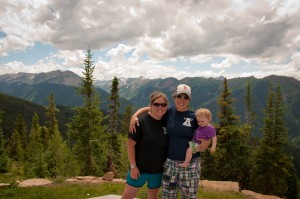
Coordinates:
[155,39]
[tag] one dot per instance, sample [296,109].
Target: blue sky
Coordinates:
[152,38]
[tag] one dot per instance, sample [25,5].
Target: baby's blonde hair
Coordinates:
[204,112]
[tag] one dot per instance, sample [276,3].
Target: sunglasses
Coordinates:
[182,96]
[159,104]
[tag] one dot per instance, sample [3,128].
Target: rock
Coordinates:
[34,182]
[258,195]
[220,185]
[109,176]
[2,185]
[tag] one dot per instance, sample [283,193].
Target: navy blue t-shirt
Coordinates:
[180,129]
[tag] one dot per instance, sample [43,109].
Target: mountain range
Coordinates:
[36,88]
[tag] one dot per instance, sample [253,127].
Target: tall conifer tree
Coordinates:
[3,151]
[272,165]
[113,126]
[250,115]
[126,119]
[231,159]
[35,158]
[18,143]
[86,130]
[59,159]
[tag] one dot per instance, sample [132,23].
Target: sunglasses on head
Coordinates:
[182,96]
[159,104]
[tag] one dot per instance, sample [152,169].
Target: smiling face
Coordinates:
[159,107]
[182,101]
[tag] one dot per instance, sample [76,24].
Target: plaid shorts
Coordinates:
[186,180]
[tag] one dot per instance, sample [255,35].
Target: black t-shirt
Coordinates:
[151,144]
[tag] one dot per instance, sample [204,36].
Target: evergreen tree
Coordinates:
[231,159]
[122,167]
[59,159]
[18,142]
[226,109]
[86,131]
[272,165]
[125,120]
[113,109]
[52,121]
[250,115]
[35,164]
[3,152]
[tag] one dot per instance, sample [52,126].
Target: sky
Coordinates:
[152,38]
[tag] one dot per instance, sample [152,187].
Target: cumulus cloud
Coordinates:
[139,37]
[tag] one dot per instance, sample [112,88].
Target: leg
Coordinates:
[132,186]
[129,192]
[188,157]
[169,181]
[189,180]
[153,193]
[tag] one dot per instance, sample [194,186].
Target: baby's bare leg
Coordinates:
[188,157]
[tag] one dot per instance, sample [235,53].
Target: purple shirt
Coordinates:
[205,133]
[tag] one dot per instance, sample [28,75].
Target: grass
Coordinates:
[76,191]
[60,190]
[79,191]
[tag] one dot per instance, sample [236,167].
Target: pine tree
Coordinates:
[59,159]
[113,109]
[52,121]
[125,120]
[272,165]
[3,151]
[122,166]
[231,159]
[18,142]
[250,115]
[86,131]
[35,164]
[226,110]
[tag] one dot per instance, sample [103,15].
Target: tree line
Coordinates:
[96,143]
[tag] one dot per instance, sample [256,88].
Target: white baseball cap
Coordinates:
[183,88]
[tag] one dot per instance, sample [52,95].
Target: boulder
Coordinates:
[109,176]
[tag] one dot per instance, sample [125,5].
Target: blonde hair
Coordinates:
[155,95]
[203,112]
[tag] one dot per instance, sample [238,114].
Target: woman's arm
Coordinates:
[134,171]
[134,120]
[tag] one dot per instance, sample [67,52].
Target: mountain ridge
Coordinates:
[136,92]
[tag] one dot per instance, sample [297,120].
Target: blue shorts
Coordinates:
[153,180]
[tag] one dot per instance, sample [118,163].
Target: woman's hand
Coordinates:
[134,121]
[203,145]
[134,173]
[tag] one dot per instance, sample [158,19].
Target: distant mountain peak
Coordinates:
[54,77]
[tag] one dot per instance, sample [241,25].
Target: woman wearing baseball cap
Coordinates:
[181,123]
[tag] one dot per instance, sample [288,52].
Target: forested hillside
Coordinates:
[12,107]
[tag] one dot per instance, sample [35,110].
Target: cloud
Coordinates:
[139,37]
